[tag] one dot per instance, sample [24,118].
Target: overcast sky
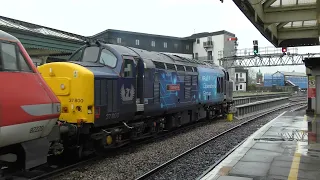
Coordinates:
[179,18]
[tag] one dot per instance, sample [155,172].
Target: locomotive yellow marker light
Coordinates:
[109,140]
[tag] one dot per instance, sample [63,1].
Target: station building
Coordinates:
[241,79]
[281,78]
[202,46]
[206,46]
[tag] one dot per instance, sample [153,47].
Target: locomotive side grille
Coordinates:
[171,66]
[195,69]
[159,65]
[189,68]
[187,87]
[194,80]
[187,81]
[187,92]
[156,89]
[156,92]
[180,68]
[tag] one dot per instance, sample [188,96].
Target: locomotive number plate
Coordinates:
[36,129]
[112,116]
[76,100]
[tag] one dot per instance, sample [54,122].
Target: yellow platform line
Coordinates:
[293,175]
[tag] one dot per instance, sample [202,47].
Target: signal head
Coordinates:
[284,49]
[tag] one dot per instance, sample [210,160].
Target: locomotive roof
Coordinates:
[7,36]
[155,56]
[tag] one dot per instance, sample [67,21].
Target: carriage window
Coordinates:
[128,68]
[23,64]
[107,58]
[9,57]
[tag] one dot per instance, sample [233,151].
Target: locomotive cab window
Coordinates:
[107,58]
[90,54]
[12,59]
[23,64]
[76,56]
[128,68]
[9,57]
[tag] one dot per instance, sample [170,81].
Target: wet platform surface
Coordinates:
[279,150]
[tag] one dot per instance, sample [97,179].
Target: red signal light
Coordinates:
[284,49]
[232,39]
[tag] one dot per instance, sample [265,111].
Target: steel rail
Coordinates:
[59,171]
[158,168]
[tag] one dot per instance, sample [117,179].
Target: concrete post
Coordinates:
[310,109]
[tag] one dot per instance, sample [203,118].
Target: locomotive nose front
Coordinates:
[73,85]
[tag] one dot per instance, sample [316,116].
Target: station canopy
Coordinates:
[284,22]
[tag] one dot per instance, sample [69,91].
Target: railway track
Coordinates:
[167,164]
[53,170]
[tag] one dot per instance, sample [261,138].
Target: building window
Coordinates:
[241,75]
[137,42]
[153,43]
[176,46]
[187,47]
[165,45]
[196,55]
[209,38]
[240,86]
[119,40]
[198,41]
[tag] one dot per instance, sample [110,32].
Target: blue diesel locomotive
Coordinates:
[112,94]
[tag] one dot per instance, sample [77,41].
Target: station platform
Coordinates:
[281,149]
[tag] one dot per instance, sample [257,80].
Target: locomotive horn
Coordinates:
[98,43]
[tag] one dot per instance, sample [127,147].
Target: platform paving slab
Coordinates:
[264,156]
[233,178]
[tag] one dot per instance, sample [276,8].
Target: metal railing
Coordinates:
[259,106]
[253,98]
[262,95]
[249,51]
[204,58]
[240,80]
[208,44]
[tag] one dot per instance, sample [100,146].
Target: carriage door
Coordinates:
[128,88]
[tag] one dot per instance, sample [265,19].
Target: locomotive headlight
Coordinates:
[62,86]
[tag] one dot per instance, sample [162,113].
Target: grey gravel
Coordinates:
[130,165]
